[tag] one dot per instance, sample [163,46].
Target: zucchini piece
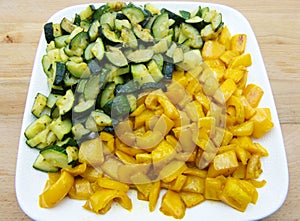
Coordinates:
[56,156]
[67,142]
[160,26]
[128,88]
[85,25]
[140,56]
[78,70]
[128,38]
[84,107]
[92,87]
[197,22]
[60,41]
[39,104]
[177,18]
[78,43]
[79,131]
[119,107]
[154,70]
[143,34]
[57,89]
[98,49]
[99,12]
[38,139]
[178,55]
[70,80]
[43,165]
[72,153]
[159,60]
[57,31]
[65,103]
[48,31]
[81,85]
[51,100]
[163,45]
[50,140]
[67,25]
[192,34]
[61,128]
[141,74]
[109,37]
[185,14]
[208,33]
[150,86]
[216,21]
[116,57]
[134,14]
[88,55]
[109,19]
[60,71]
[37,126]
[87,13]
[77,19]
[93,30]
[168,70]
[120,23]
[101,119]
[94,66]
[47,65]
[132,101]
[107,94]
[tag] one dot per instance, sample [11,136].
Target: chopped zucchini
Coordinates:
[40,102]
[37,126]
[134,14]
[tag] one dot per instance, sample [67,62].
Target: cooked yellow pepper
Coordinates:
[57,191]
[172,205]
[101,200]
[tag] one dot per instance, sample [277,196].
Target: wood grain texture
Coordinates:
[277,31]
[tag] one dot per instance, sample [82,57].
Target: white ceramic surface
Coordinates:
[30,182]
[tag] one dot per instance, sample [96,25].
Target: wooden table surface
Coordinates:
[275,23]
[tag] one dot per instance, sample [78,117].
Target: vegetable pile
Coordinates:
[148,100]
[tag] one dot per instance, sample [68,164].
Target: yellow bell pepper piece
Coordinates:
[171,171]
[213,188]
[241,60]
[225,37]
[153,195]
[172,205]
[262,122]
[223,164]
[169,109]
[239,108]
[56,192]
[191,199]
[81,189]
[103,198]
[227,88]
[194,184]
[236,74]
[243,129]
[75,171]
[212,50]
[235,196]
[108,183]
[253,94]
[227,56]
[238,42]
[253,167]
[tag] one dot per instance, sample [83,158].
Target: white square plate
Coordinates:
[30,182]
